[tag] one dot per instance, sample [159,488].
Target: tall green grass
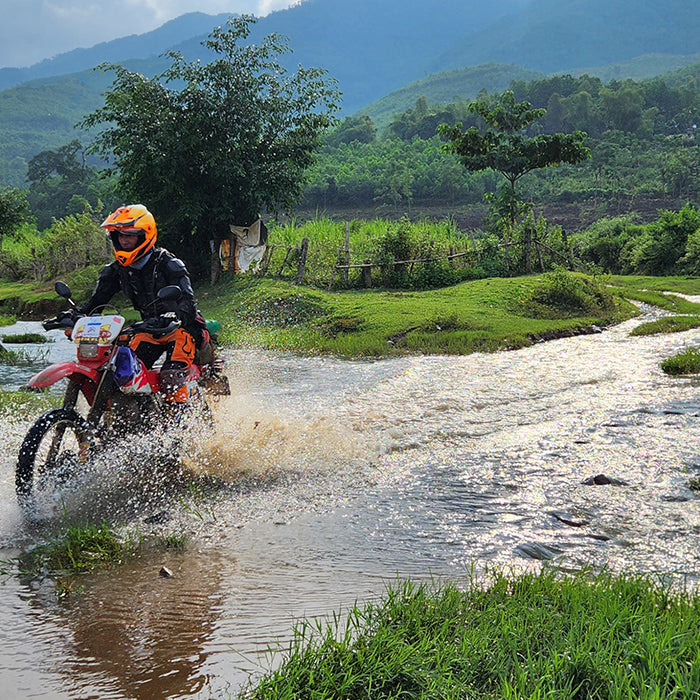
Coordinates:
[530,636]
[380,242]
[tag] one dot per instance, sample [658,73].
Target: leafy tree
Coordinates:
[62,162]
[204,145]
[360,128]
[14,210]
[62,184]
[504,146]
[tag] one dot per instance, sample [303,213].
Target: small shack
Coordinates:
[244,250]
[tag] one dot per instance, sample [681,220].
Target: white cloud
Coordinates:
[32,30]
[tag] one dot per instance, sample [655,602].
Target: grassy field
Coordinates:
[481,315]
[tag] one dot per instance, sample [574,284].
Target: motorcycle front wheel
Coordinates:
[53,448]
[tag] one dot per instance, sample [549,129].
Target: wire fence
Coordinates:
[330,266]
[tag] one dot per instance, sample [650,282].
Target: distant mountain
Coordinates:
[641,67]
[384,54]
[150,44]
[555,36]
[373,46]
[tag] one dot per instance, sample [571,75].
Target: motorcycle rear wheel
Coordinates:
[52,449]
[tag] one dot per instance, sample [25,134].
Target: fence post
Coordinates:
[233,250]
[346,277]
[267,259]
[538,247]
[302,260]
[367,273]
[284,262]
[215,264]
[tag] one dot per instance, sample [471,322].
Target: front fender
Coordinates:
[60,370]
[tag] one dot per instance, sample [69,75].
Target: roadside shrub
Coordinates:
[69,245]
[563,292]
[662,249]
[603,243]
[395,247]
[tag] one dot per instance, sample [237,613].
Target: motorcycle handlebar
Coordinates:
[157,327]
[66,319]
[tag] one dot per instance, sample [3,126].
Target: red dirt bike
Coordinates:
[118,395]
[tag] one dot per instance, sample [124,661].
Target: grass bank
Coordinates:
[481,315]
[531,636]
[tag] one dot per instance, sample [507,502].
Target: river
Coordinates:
[332,479]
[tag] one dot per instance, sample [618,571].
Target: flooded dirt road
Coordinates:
[332,479]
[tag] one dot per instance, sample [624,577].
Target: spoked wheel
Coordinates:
[53,449]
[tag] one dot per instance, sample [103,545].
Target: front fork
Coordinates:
[70,399]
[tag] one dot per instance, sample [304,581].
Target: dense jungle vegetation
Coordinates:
[644,147]
[642,134]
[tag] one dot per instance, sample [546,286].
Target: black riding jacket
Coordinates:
[141,287]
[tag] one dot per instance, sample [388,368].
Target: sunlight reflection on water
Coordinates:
[338,476]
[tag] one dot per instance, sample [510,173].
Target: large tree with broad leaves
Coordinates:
[210,143]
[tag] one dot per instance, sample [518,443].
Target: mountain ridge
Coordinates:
[133,46]
[381,51]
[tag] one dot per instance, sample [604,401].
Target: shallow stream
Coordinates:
[333,478]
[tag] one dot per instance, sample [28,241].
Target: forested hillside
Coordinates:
[384,55]
[643,138]
[555,36]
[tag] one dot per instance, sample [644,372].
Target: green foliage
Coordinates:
[208,144]
[686,362]
[14,211]
[663,243]
[73,244]
[61,184]
[358,128]
[566,293]
[669,245]
[502,145]
[531,635]
[602,243]
[643,144]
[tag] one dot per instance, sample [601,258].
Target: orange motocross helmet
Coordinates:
[131,218]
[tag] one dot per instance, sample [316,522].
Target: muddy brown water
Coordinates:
[333,478]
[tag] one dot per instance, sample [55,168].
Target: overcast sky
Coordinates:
[31,30]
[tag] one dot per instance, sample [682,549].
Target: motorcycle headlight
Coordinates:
[87,351]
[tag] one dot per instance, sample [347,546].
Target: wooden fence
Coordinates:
[296,261]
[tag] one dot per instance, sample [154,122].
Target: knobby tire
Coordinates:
[46,445]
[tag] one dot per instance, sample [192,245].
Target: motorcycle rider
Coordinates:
[140,271]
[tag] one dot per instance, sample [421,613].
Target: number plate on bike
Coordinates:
[97,329]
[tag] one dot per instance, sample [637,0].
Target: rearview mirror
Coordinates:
[170,293]
[63,290]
